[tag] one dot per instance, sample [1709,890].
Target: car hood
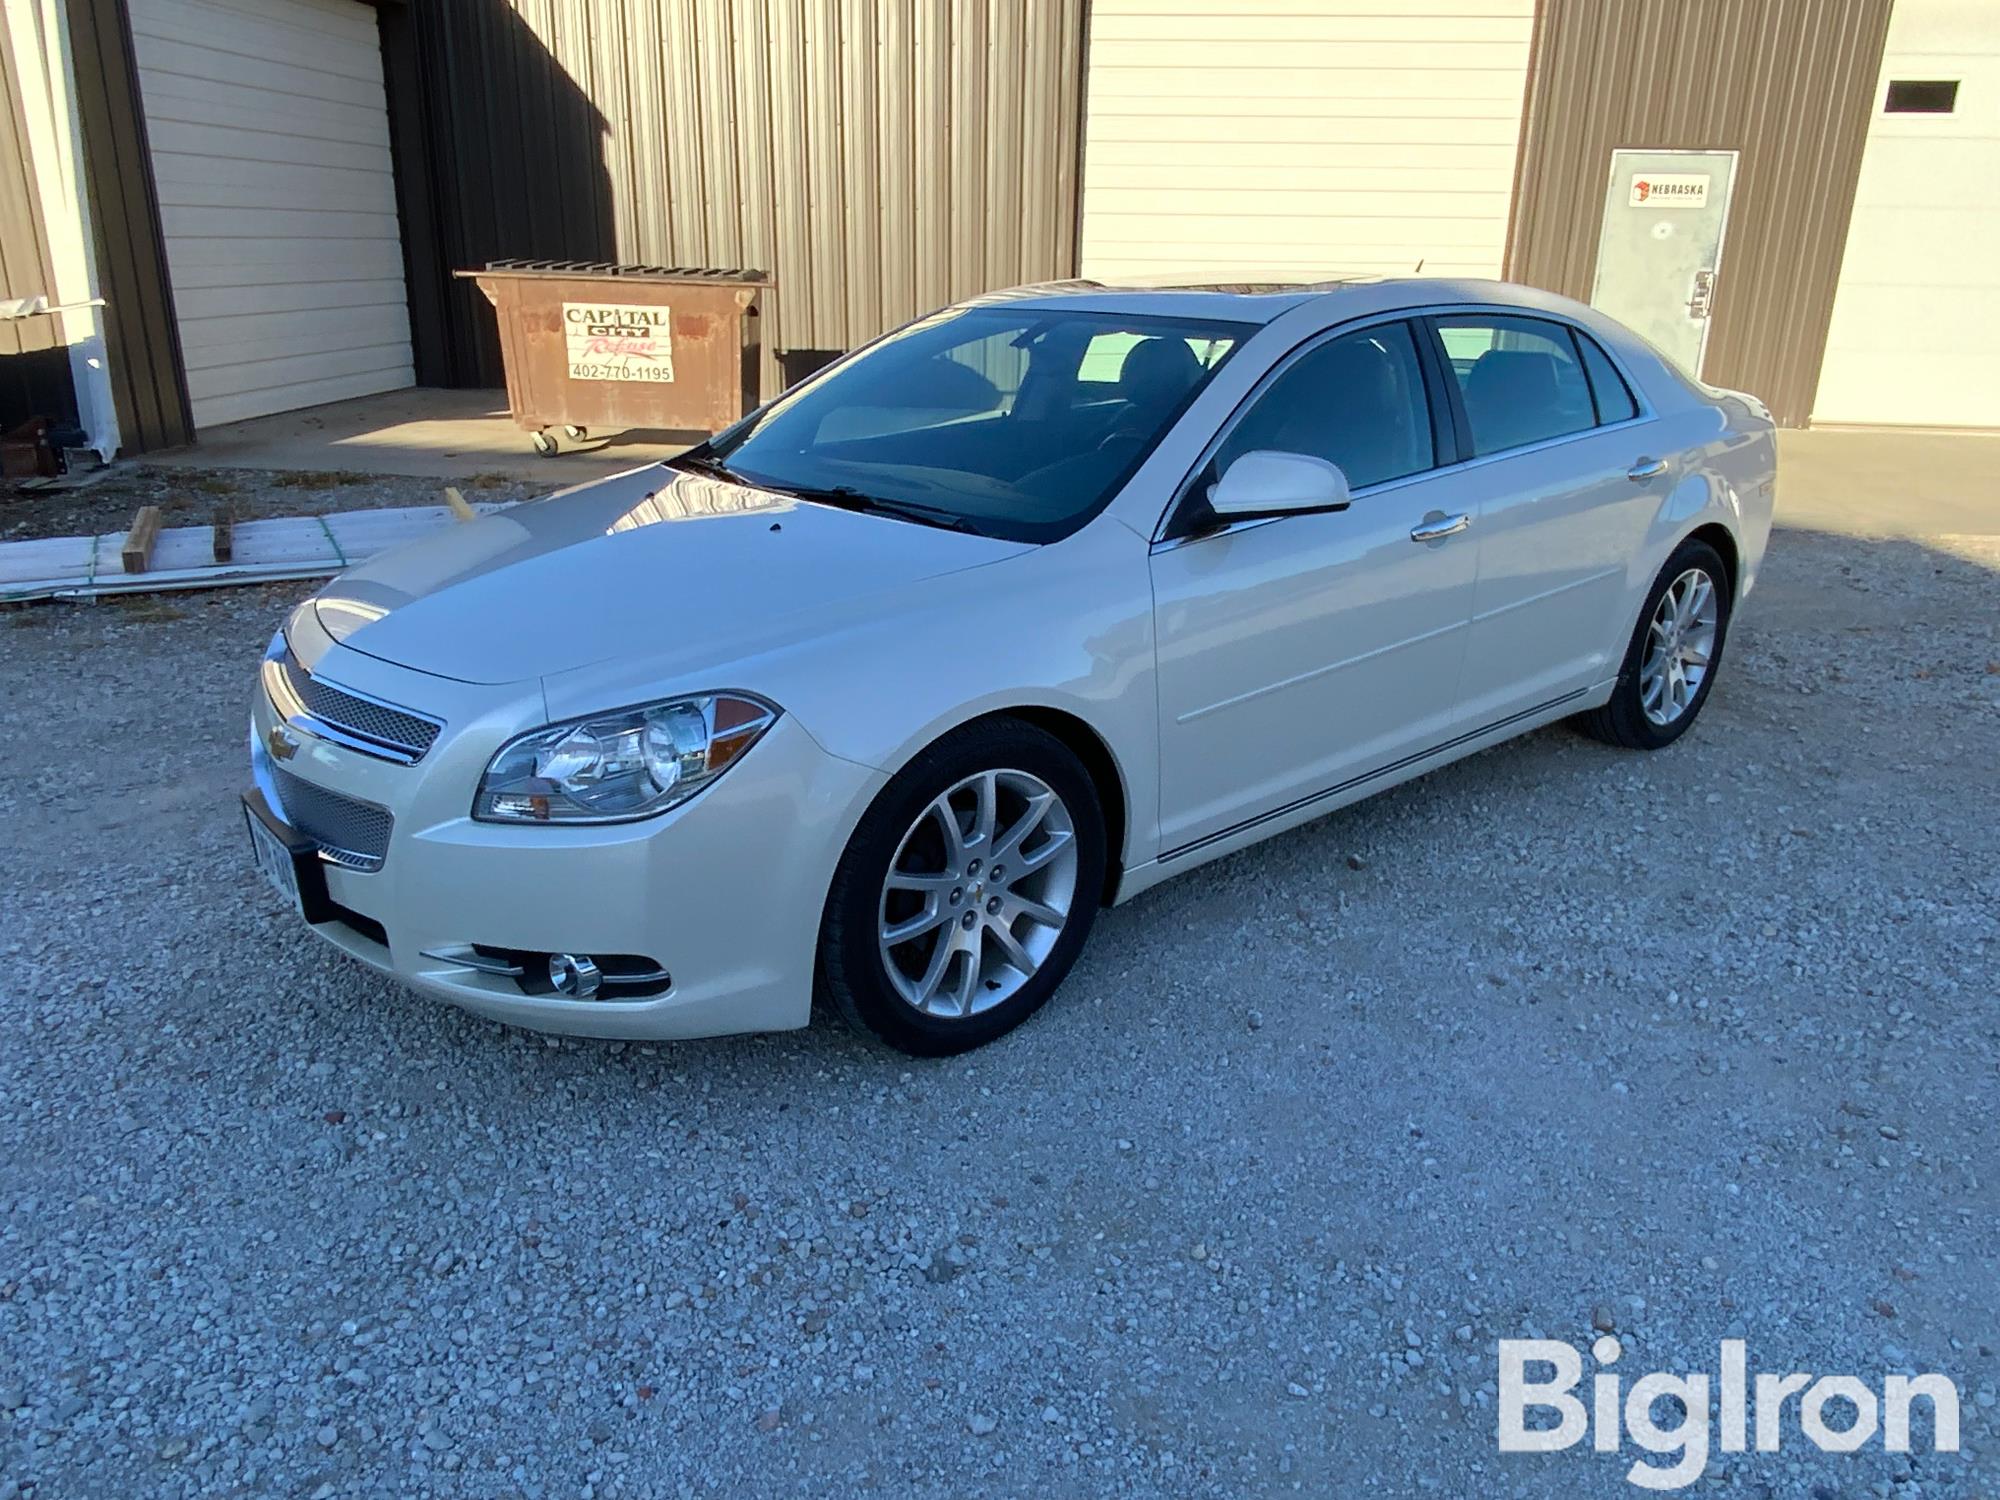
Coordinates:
[656,562]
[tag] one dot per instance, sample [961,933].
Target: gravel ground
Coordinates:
[105,499]
[1699,1044]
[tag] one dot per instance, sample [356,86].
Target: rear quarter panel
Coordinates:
[1723,449]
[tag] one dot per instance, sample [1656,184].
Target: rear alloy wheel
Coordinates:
[966,892]
[1670,664]
[1680,645]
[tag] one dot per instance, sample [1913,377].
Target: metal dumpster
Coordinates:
[610,346]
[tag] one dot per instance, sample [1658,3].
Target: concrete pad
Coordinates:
[1886,482]
[425,432]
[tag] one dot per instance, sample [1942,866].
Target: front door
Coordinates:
[1659,252]
[1300,653]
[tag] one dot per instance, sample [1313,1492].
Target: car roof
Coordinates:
[1264,301]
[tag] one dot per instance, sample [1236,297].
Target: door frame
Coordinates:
[1171,529]
[1721,241]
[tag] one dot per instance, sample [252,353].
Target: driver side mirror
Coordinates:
[1267,482]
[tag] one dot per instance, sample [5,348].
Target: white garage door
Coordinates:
[270,139]
[1311,138]
[1917,314]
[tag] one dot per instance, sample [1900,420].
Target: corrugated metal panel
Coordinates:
[878,157]
[34,362]
[25,267]
[1785,82]
[142,344]
[1918,308]
[1304,138]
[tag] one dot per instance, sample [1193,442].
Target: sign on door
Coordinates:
[1659,253]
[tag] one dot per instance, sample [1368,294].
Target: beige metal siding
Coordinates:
[878,157]
[1785,82]
[270,143]
[1917,312]
[1301,138]
[25,267]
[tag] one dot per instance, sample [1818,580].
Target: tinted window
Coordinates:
[1922,96]
[1614,397]
[1358,401]
[1519,379]
[1104,358]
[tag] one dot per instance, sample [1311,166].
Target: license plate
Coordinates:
[288,859]
[274,860]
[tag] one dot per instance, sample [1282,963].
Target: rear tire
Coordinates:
[1671,661]
[922,944]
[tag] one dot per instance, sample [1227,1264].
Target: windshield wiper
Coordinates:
[698,460]
[846,497]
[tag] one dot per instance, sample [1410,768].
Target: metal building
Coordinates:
[233,207]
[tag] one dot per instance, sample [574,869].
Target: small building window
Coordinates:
[1912,96]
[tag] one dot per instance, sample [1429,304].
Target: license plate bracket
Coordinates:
[287,859]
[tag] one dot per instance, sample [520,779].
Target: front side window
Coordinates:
[1015,421]
[1519,379]
[1357,400]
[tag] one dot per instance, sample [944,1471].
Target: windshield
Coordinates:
[1016,422]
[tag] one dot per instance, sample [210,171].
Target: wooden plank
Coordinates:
[139,540]
[279,547]
[222,542]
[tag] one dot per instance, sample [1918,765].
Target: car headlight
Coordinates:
[615,767]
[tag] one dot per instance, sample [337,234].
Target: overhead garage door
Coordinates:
[1309,138]
[270,140]
[1916,317]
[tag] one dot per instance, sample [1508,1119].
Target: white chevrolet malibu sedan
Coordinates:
[878,695]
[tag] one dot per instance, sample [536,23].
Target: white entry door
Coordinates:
[1659,252]
[270,137]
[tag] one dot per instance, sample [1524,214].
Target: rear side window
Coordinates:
[1607,386]
[1104,357]
[1519,379]
[1357,400]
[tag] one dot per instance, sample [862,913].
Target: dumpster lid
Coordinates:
[579,268]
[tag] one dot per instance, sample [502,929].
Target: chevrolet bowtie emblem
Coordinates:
[282,743]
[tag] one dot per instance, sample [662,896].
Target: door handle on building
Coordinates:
[1702,299]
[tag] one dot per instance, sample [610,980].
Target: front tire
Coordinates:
[1670,664]
[966,892]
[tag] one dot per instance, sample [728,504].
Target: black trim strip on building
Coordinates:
[142,339]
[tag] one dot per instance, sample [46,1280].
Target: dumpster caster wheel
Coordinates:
[577,434]
[543,444]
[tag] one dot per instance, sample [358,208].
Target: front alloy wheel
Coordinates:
[979,891]
[967,890]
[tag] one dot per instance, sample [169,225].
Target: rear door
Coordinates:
[1558,448]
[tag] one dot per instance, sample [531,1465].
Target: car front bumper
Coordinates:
[724,892]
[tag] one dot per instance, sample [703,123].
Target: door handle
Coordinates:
[1701,300]
[1644,469]
[1435,528]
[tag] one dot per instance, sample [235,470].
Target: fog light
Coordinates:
[574,975]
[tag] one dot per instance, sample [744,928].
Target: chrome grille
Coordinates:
[350,833]
[403,735]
